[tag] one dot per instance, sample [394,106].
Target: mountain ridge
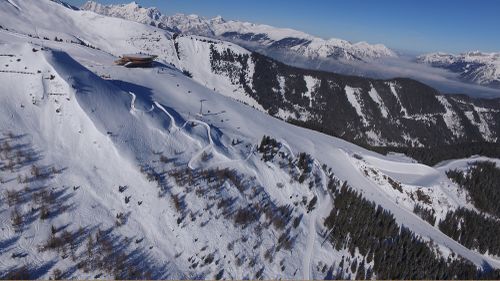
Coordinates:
[284,43]
[342,105]
[477,67]
[271,37]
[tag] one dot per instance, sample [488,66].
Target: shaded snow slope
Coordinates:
[137,113]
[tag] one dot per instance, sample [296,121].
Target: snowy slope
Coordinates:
[80,27]
[90,127]
[102,124]
[386,110]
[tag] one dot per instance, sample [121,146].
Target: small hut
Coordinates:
[136,60]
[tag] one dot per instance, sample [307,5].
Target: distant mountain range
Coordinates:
[477,67]
[264,35]
[305,50]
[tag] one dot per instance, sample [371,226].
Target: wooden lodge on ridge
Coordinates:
[136,60]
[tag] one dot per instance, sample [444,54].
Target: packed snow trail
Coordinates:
[404,217]
[311,230]
[211,142]
[133,109]
[208,147]
[323,206]
[13,4]
[172,119]
[311,238]
[463,163]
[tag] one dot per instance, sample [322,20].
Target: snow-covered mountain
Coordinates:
[131,11]
[113,172]
[477,67]
[304,50]
[395,112]
[264,36]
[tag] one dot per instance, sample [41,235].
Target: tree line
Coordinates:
[473,230]
[396,252]
[482,181]
[435,154]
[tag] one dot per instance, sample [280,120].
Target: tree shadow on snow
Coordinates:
[27,272]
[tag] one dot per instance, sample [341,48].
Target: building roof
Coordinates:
[139,56]
[136,60]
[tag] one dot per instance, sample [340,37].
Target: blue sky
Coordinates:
[409,25]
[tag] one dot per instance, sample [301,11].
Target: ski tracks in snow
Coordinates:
[206,148]
[322,206]
[311,239]
[133,109]
[311,230]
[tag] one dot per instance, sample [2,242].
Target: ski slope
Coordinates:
[102,126]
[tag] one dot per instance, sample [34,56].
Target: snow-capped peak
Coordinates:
[266,36]
[217,20]
[131,11]
[133,4]
[474,66]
